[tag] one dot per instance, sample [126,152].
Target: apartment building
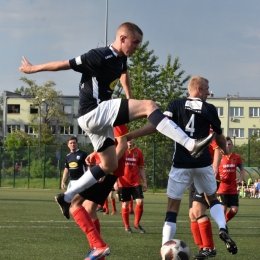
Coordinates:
[17,110]
[240,116]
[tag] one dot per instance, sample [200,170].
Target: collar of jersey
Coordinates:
[75,151]
[111,48]
[195,98]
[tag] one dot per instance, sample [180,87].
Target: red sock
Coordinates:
[84,221]
[106,206]
[125,217]
[113,202]
[206,234]
[131,205]
[194,227]
[97,224]
[138,213]
[229,215]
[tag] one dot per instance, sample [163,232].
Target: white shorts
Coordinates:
[180,179]
[98,123]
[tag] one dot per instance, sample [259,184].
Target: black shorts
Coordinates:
[99,191]
[125,194]
[195,196]
[228,199]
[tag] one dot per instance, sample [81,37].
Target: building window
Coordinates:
[34,109]
[236,111]
[80,131]
[253,131]
[237,132]
[13,109]
[29,129]
[12,128]
[220,111]
[67,109]
[53,129]
[254,111]
[68,130]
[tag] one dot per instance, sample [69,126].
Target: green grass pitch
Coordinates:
[32,228]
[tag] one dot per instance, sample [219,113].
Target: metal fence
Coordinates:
[42,167]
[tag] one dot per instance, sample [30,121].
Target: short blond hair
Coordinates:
[196,82]
[129,27]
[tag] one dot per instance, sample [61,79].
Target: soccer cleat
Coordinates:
[230,244]
[131,212]
[97,253]
[201,144]
[128,230]
[99,209]
[140,229]
[106,213]
[205,253]
[64,206]
[113,212]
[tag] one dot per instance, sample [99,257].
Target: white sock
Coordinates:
[218,215]
[84,182]
[173,131]
[169,230]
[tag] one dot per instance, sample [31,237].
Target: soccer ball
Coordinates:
[175,249]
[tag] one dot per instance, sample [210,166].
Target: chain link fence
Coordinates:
[42,167]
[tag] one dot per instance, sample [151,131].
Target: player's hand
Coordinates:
[63,185]
[26,66]
[115,186]
[90,160]
[144,187]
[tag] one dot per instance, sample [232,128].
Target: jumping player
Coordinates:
[101,68]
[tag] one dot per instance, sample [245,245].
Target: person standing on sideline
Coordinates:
[130,185]
[227,191]
[195,116]
[75,164]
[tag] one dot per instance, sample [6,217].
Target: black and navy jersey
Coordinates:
[194,117]
[76,164]
[101,70]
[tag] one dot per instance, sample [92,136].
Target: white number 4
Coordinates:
[190,125]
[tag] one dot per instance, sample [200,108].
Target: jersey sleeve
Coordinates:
[90,62]
[120,131]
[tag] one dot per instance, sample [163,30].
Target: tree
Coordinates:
[153,82]
[47,103]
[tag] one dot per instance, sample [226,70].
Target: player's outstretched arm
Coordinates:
[221,142]
[28,68]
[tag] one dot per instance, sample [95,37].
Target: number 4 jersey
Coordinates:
[194,117]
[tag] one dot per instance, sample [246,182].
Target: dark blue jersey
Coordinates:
[76,164]
[101,69]
[194,117]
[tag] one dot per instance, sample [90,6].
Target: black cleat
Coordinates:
[230,244]
[128,230]
[131,212]
[201,144]
[64,206]
[140,229]
[205,253]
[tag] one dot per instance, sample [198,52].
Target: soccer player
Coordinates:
[101,68]
[195,116]
[200,224]
[129,185]
[87,219]
[75,164]
[227,191]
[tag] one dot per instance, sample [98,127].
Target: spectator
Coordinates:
[16,169]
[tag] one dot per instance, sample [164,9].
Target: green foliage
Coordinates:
[38,168]
[151,81]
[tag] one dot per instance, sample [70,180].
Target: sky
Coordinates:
[217,39]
